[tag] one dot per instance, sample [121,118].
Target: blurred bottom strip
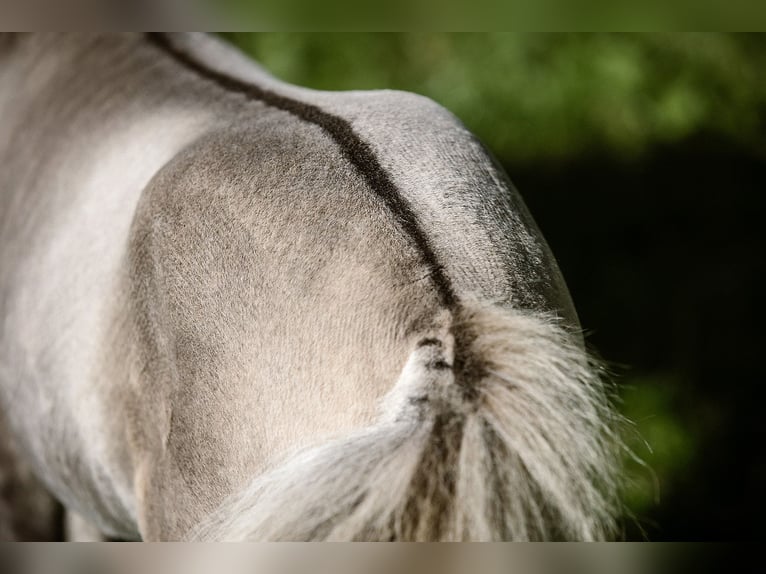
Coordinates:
[367,558]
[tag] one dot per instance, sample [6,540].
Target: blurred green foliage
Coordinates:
[531,96]
[659,444]
[488,15]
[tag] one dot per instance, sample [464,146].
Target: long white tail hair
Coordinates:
[499,428]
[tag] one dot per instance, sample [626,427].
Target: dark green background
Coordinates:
[643,159]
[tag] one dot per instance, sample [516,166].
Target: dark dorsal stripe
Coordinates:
[354,148]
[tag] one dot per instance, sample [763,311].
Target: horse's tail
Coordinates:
[498,428]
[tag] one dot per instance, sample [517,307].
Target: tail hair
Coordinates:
[499,428]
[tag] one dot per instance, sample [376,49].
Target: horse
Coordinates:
[233,308]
